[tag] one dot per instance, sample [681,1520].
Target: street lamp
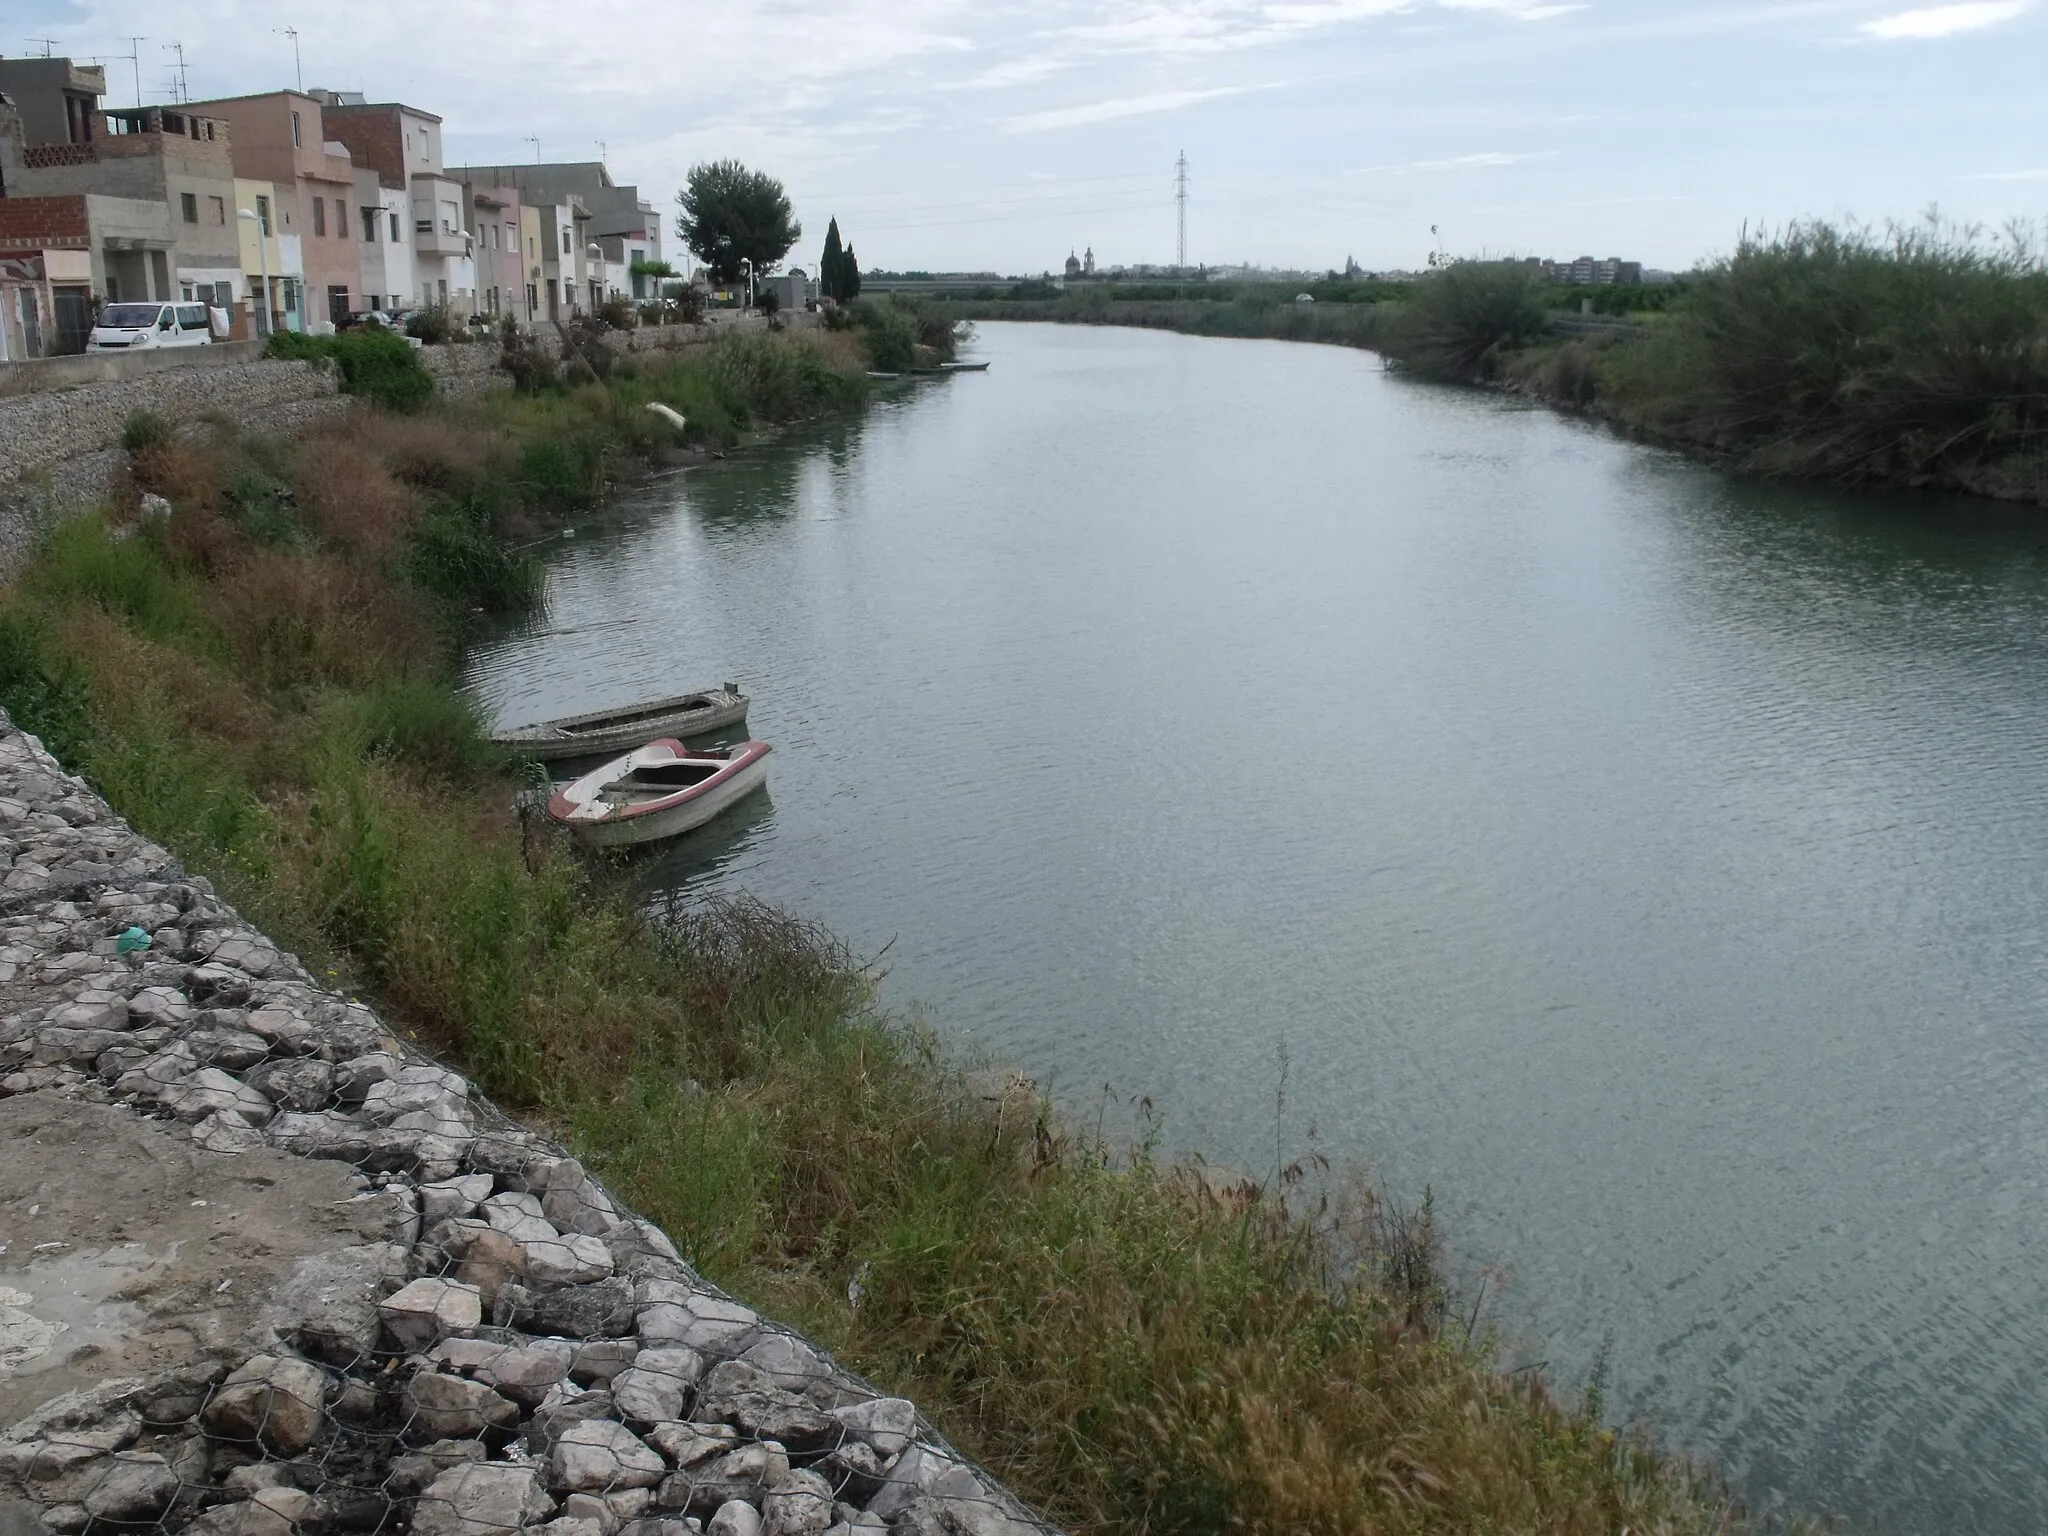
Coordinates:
[263,261]
[748,263]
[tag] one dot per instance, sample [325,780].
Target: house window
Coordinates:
[447,218]
[394,229]
[565,242]
[220,209]
[188,206]
[263,216]
[340,219]
[297,142]
[369,229]
[319,215]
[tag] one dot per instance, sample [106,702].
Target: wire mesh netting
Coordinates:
[515,1349]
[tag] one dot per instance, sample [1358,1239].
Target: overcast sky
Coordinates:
[984,134]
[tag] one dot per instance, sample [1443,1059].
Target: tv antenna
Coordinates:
[179,92]
[49,44]
[298,72]
[134,58]
[600,150]
[534,140]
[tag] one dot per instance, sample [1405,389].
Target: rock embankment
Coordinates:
[263,1269]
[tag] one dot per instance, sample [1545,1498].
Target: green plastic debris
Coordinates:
[131,941]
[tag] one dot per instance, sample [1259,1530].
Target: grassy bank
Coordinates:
[1918,358]
[261,682]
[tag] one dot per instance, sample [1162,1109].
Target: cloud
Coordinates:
[1945,20]
[2039,174]
[1480,161]
[1520,10]
[1109,111]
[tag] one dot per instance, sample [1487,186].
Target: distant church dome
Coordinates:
[1073,265]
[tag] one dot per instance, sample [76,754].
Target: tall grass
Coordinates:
[1136,1346]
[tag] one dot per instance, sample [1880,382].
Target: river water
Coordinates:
[1652,864]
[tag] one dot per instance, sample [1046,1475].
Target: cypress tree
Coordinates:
[849,277]
[829,267]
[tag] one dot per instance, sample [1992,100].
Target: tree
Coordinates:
[849,277]
[829,265]
[731,214]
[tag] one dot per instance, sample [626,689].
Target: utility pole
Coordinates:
[298,73]
[135,59]
[1180,198]
[182,92]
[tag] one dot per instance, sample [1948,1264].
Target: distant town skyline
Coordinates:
[946,136]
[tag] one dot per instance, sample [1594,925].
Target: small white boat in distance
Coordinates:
[629,725]
[658,790]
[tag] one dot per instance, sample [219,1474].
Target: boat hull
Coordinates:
[745,770]
[590,736]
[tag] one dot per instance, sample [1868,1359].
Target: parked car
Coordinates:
[124,326]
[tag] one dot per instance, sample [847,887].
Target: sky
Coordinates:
[991,135]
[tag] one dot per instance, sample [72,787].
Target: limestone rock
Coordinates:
[490,1261]
[420,1314]
[798,1504]
[674,1313]
[572,1259]
[747,1474]
[657,1384]
[411,1088]
[277,1400]
[575,1203]
[886,1424]
[518,1216]
[454,1197]
[225,1133]
[598,1456]
[523,1372]
[247,1518]
[787,1361]
[438,1407]
[355,1077]
[410,1474]
[597,1361]
[217,1045]
[328,1305]
[480,1500]
[577,1312]
[560,1410]
[735,1517]
[744,1395]
[688,1445]
[201,1093]
[305,1084]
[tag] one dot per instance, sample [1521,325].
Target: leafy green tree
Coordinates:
[731,214]
[829,265]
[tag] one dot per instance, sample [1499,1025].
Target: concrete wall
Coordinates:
[45,374]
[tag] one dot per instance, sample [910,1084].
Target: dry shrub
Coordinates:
[293,618]
[432,452]
[842,349]
[348,498]
[187,473]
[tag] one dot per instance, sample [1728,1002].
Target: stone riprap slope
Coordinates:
[263,1269]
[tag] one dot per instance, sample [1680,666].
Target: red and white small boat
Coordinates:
[658,790]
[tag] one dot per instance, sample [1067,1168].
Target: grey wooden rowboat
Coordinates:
[629,725]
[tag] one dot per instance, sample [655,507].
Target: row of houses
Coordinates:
[291,209]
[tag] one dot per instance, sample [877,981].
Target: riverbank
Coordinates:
[1918,360]
[260,683]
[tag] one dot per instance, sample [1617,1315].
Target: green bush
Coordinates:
[378,365]
[423,722]
[888,334]
[1460,317]
[432,325]
[145,429]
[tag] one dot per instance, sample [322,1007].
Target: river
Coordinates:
[1652,864]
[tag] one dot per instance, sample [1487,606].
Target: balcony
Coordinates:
[429,239]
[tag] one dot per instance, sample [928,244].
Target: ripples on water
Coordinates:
[1651,863]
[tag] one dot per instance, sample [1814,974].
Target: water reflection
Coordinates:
[1653,865]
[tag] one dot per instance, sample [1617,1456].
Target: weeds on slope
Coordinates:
[1136,1346]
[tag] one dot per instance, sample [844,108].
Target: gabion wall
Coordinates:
[522,1352]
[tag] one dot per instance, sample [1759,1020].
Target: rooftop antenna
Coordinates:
[298,73]
[48,43]
[134,57]
[600,152]
[181,92]
[1180,198]
[534,140]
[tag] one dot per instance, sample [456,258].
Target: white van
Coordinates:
[122,326]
